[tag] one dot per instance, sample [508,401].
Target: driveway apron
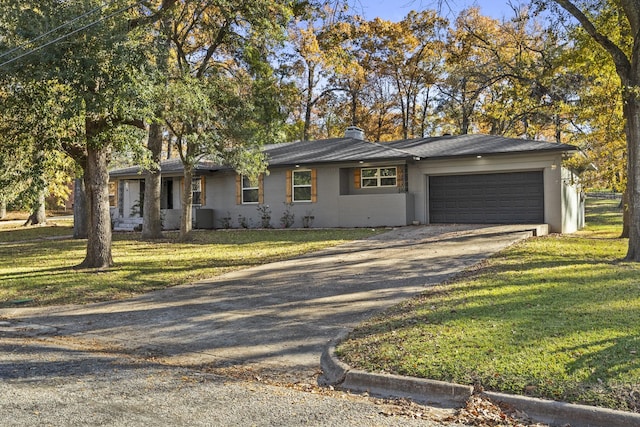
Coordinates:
[278,315]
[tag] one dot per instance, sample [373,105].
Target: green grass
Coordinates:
[555,317]
[42,270]
[604,219]
[17,233]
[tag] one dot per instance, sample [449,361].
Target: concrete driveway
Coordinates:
[273,317]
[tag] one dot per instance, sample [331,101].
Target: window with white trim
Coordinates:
[250,191]
[379,177]
[301,182]
[196,191]
[113,194]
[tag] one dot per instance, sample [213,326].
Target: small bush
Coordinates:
[288,218]
[265,216]
[226,222]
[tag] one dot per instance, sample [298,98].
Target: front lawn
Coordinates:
[40,272]
[555,317]
[10,232]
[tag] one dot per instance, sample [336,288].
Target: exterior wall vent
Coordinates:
[354,132]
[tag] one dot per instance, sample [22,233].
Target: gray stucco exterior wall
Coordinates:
[333,208]
[573,203]
[339,201]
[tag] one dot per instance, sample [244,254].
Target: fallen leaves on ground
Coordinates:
[410,409]
[482,412]
[291,380]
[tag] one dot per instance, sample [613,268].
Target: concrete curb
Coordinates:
[449,395]
[561,413]
[335,372]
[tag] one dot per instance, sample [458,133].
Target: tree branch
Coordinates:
[222,33]
[134,122]
[147,19]
[622,62]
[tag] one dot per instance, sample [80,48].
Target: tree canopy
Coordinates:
[615,27]
[217,79]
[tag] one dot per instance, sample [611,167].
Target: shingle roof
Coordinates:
[474,145]
[331,151]
[168,167]
[354,150]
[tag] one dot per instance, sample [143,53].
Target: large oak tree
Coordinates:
[90,49]
[32,166]
[627,63]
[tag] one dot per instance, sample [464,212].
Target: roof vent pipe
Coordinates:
[354,132]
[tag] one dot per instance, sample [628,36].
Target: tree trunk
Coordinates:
[628,68]
[152,219]
[39,215]
[39,184]
[307,123]
[80,217]
[3,207]
[187,202]
[308,105]
[403,110]
[632,128]
[413,121]
[354,108]
[97,191]
[423,118]
[626,218]
[380,123]
[558,125]
[466,122]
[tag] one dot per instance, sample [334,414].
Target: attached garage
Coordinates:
[495,198]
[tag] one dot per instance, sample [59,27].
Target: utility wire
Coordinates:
[28,42]
[91,24]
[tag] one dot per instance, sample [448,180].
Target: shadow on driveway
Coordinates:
[278,316]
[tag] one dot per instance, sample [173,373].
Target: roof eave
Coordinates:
[499,153]
[336,162]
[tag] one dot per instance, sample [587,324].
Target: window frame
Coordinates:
[113,193]
[377,177]
[294,186]
[255,188]
[198,180]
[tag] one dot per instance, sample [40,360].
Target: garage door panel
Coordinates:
[487,198]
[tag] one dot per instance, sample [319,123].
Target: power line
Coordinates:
[91,24]
[77,18]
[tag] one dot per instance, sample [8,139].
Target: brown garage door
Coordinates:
[499,198]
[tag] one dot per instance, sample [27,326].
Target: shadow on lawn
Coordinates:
[133,274]
[625,350]
[250,236]
[529,311]
[278,314]
[604,214]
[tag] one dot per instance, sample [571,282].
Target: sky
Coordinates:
[395,10]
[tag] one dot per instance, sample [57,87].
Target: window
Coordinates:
[166,194]
[250,191]
[379,177]
[113,194]
[196,191]
[301,186]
